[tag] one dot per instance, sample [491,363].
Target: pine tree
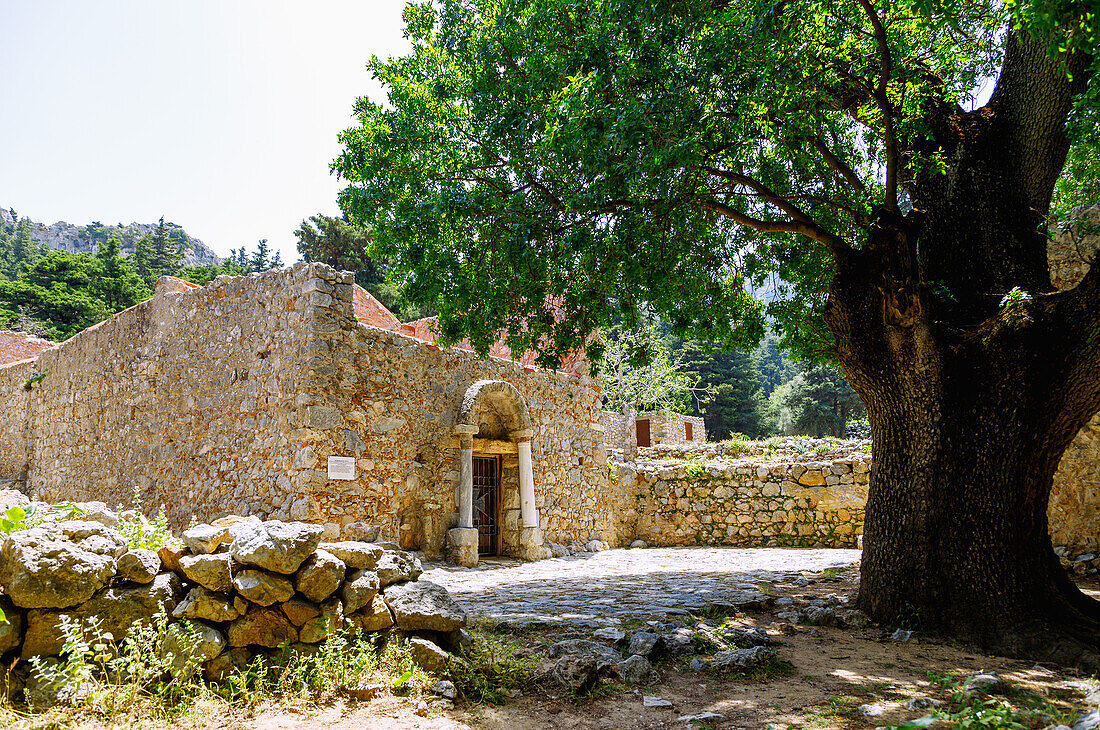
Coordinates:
[26,249]
[735,402]
[167,251]
[118,286]
[144,259]
[259,260]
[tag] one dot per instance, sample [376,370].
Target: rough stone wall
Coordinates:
[745,503]
[390,401]
[229,399]
[192,396]
[14,402]
[1074,509]
[615,428]
[1072,247]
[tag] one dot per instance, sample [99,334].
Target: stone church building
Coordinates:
[294,394]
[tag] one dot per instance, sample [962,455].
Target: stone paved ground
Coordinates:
[606,588]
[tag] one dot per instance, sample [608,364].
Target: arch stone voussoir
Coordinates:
[501,392]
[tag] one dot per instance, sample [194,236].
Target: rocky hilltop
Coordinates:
[84,239]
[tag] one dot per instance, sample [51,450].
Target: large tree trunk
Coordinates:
[968,426]
[971,403]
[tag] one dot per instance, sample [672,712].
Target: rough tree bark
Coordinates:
[972,404]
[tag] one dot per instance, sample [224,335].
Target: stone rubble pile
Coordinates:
[612,653]
[246,586]
[1079,564]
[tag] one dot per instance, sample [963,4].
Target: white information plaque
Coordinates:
[341,467]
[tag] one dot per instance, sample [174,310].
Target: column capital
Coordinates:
[523,434]
[465,428]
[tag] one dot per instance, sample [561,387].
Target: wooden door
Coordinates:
[687,431]
[643,432]
[487,504]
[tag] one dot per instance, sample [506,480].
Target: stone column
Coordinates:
[466,481]
[530,535]
[528,511]
[461,544]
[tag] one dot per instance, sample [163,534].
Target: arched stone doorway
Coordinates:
[493,409]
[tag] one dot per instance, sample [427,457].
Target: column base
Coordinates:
[461,546]
[531,544]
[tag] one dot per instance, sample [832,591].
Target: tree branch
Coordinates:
[833,243]
[883,102]
[845,172]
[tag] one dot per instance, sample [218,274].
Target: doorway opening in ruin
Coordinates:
[487,504]
[642,426]
[495,496]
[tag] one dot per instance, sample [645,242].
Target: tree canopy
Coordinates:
[602,155]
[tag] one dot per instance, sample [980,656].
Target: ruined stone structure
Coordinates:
[265,395]
[650,428]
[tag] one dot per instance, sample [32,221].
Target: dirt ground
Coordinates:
[834,672]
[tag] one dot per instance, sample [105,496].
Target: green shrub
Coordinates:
[495,663]
[138,530]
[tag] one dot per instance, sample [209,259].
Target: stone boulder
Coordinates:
[209,571]
[678,643]
[359,590]
[201,603]
[638,670]
[374,617]
[117,609]
[424,606]
[58,565]
[205,539]
[735,660]
[226,664]
[280,547]
[577,673]
[170,554]
[428,656]
[262,588]
[356,555]
[193,646]
[395,566]
[299,611]
[325,625]
[262,627]
[320,575]
[11,631]
[97,512]
[139,566]
[643,643]
[605,656]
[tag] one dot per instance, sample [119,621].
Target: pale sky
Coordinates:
[220,115]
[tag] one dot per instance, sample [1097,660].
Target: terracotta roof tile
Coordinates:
[16,346]
[369,310]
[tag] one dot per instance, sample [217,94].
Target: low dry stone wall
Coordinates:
[746,503]
[241,586]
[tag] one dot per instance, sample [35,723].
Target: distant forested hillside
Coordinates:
[57,283]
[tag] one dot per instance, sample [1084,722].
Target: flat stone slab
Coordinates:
[591,590]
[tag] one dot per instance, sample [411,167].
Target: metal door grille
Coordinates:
[486,504]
